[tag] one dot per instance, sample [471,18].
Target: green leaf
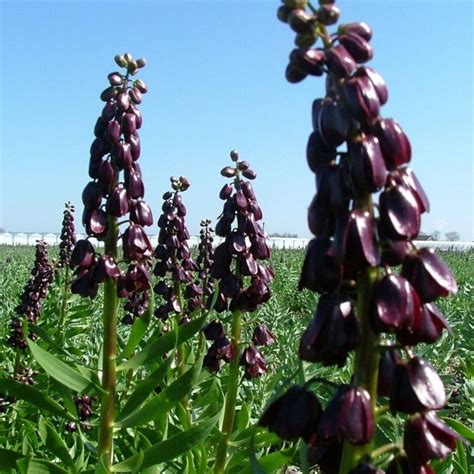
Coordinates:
[54,443]
[165,400]
[131,464]
[34,396]
[463,430]
[8,458]
[139,328]
[40,332]
[163,344]
[39,466]
[146,387]
[269,463]
[58,370]
[174,446]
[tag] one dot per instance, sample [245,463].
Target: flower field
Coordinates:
[32,426]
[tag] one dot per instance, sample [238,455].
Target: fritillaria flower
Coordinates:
[293,415]
[68,236]
[355,152]
[116,190]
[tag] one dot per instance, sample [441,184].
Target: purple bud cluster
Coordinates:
[174,266]
[353,235]
[110,195]
[205,257]
[32,297]
[244,244]
[84,410]
[67,237]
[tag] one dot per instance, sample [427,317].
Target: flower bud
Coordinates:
[339,61]
[361,98]
[359,28]
[377,80]
[300,21]
[357,46]
[394,143]
[118,202]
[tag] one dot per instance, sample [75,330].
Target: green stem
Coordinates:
[17,366]
[303,447]
[231,395]
[109,375]
[366,366]
[62,315]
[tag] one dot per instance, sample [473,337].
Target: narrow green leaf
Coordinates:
[174,446]
[131,464]
[163,344]
[54,443]
[34,396]
[269,463]
[40,332]
[8,458]
[39,466]
[457,426]
[165,400]
[58,370]
[146,387]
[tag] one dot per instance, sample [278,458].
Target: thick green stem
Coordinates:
[366,366]
[62,316]
[109,375]
[231,395]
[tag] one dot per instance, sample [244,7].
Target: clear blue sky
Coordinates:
[216,80]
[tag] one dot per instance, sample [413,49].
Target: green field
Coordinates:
[286,314]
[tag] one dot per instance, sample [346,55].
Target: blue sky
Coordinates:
[216,78]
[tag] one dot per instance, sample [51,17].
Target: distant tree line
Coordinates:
[284,234]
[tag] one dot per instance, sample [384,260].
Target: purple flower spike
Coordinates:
[429,275]
[349,414]
[294,414]
[427,438]
[416,387]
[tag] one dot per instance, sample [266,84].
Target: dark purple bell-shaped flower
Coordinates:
[427,326]
[416,387]
[308,61]
[106,267]
[95,222]
[136,245]
[118,202]
[359,48]
[331,121]
[254,362]
[213,331]
[92,195]
[368,170]
[140,213]
[387,364]
[262,336]
[407,177]
[320,272]
[361,98]
[223,349]
[395,304]
[318,152]
[399,213]
[326,455]
[348,414]
[395,145]
[377,81]
[429,275]
[358,28]
[83,254]
[84,284]
[426,438]
[294,414]
[340,62]
[332,333]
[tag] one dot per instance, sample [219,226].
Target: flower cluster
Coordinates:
[109,196]
[244,244]
[67,237]
[205,257]
[356,244]
[243,281]
[173,257]
[32,297]
[84,409]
